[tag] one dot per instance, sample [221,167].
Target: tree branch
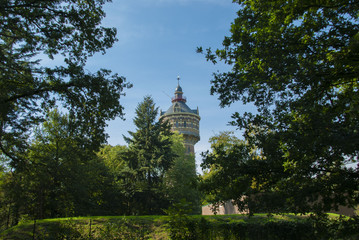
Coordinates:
[38,91]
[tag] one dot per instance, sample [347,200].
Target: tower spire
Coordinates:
[178,93]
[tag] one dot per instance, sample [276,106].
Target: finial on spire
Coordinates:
[178,78]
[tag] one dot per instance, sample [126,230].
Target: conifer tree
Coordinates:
[151,156]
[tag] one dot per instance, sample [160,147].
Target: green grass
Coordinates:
[132,227]
[62,228]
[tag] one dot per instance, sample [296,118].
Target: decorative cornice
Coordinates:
[180,113]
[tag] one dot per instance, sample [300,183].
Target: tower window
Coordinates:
[184,124]
[176,123]
[177,108]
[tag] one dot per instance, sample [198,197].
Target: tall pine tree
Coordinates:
[150,157]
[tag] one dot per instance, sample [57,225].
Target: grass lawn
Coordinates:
[147,227]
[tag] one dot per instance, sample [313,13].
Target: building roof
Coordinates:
[179,104]
[180,107]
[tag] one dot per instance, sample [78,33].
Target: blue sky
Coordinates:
[157,42]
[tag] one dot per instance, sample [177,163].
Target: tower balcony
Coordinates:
[179,99]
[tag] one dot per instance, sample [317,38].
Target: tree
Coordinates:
[68,31]
[227,174]
[61,177]
[181,179]
[113,157]
[298,63]
[118,195]
[149,158]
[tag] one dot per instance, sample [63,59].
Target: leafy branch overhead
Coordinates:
[70,32]
[298,63]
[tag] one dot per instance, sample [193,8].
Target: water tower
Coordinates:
[183,119]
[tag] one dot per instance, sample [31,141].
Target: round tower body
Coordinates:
[183,119]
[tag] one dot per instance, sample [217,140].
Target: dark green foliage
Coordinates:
[114,198]
[68,31]
[180,226]
[149,157]
[297,62]
[122,229]
[181,179]
[61,177]
[227,173]
[53,171]
[61,230]
[342,228]
[192,227]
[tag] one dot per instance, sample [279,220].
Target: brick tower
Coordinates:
[183,119]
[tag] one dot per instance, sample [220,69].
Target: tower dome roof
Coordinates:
[178,89]
[179,104]
[180,107]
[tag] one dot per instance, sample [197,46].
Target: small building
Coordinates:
[223,209]
[183,119]
[229,208]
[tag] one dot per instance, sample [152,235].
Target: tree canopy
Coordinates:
[298,63]
[149,157]
[66,31]
[59,177]
[226,171]
[181,179]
